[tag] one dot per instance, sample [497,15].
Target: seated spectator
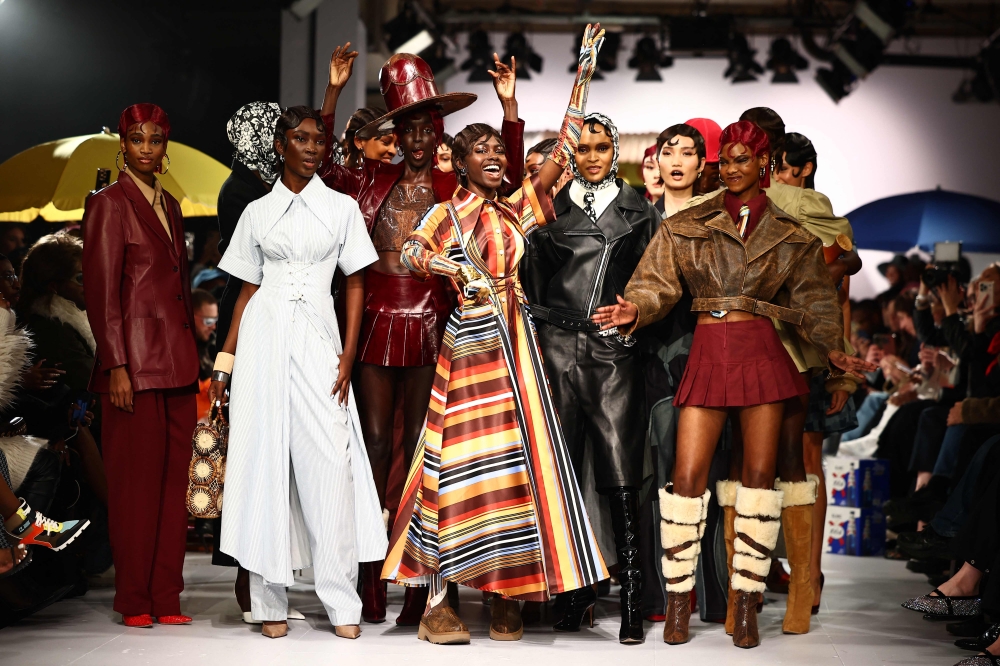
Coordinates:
[206,317]
[12,242]
[211,280]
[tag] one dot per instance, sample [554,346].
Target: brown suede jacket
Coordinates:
[778,272]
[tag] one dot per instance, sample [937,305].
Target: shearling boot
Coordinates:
[797,520]
[725,494]
[758,514]
[681,529]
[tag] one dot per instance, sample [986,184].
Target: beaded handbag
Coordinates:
[207,471]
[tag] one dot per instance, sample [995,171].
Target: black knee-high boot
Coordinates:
[625,523]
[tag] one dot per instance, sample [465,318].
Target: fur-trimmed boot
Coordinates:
[758,514]
[797,519]
[725,495]
[681,529]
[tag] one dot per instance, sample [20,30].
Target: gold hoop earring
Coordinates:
[167,158]
[699,175]
[120,154]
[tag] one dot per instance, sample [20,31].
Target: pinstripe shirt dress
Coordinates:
[299,489]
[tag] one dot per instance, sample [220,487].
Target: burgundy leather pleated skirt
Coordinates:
[738,364]
[404,319]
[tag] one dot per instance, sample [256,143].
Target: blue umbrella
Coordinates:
[924,218]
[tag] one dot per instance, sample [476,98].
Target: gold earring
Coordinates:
[167,158]
[116,161]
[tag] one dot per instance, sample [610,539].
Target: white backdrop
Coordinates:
[898,132]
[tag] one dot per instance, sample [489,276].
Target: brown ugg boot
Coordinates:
[758,514]
[681,529]
[725,494]
[797,519]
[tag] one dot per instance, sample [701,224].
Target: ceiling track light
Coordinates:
[413,30]
[648,58]
[525,57]
[480,59]
[742,65]
[784,60]
[607,57]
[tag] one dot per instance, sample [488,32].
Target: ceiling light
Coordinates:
[480,59]
[742,66]
[648,58]
[525,57]
[783,60]
[607,57]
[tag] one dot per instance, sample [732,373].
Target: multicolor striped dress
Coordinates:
[491,500]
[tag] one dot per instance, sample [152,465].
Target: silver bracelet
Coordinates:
[220,376]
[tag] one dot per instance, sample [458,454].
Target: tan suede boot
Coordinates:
[797,520]
[725,494]
[681,529]
[758,514]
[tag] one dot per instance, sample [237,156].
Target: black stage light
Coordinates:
[526,59]
[837,81]
[742,66]
[413,30]
[648,58]
[982,85]
[607,57]
[480,59]
[784,60]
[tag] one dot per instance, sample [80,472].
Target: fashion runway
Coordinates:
[860,623]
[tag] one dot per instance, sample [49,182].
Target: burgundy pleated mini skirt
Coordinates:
[404,319]
[738,364]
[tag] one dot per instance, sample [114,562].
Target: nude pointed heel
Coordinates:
[274,629]
[351,631]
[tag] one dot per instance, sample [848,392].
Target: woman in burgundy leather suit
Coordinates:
[404,318]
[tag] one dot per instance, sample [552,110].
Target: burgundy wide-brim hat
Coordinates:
[407,86]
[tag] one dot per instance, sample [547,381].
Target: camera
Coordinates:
[947,262]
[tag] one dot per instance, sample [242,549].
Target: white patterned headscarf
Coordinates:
[608,180]
[251,131]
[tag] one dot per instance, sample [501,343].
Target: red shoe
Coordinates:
[656,618]
[414,604]
[174,619]
[372,593]
[144,620]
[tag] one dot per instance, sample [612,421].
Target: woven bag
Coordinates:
[207,471]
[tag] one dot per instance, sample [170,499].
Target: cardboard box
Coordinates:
[854,531]
[857,482]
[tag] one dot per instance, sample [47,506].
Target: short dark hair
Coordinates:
[904,303]
[289,119]
[200,297]
[798,151]
[448,140]
[543,148]
[360,118]
[52,259]
[466,139]
[682,129]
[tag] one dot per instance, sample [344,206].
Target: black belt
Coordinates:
[563,320]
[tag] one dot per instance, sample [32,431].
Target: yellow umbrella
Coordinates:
[53,179]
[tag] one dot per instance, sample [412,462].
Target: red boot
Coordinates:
[372,593]
[414,604]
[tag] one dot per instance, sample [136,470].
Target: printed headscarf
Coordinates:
[251,131]
[613,173]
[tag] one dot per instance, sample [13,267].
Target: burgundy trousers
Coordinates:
[146,457]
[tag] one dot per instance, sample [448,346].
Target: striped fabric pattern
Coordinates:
[491,500]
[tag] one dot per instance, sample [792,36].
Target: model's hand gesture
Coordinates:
[504,78]
[852,364]
[342,387]
[593,39]
[621,314]
[341,65]
[217,393]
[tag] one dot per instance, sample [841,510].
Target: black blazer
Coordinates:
[242,187]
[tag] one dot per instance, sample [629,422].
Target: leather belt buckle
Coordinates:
[719,314]
[608,332]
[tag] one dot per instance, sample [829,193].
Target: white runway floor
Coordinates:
[860,622]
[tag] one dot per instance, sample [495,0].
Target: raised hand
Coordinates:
[593,39]
[504,77]
[341,65]
[623,313]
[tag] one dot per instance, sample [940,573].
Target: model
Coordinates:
[745,240]
[299,490]
[138,294]
[651,175]
[381,146]
[491,501]
[575,264]
[404,319]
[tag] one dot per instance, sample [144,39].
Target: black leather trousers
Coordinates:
[598,387]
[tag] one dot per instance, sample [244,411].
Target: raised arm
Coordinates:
[572,127]
[512,129]
[337,176]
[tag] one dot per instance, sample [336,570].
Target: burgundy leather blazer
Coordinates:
[138,290]
[371,184]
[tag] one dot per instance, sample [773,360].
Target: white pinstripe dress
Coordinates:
[287,431]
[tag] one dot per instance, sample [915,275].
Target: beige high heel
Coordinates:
[351,631]
[274,629]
